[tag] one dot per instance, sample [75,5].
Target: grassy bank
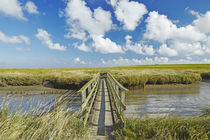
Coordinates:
[55,125]
[31,90]
[137,78]
[57,78]
[165,129]
[130,76]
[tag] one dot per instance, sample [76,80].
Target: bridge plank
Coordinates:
[102,119]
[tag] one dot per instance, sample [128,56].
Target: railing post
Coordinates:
[83,96]
[89,89]
[122,96]
[117,89]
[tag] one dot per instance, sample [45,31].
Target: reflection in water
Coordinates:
[26,103]
[40,102]
[185,101]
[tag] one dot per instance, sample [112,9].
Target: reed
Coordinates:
[57,124]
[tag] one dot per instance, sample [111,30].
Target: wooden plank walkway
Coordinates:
[102,118]
[103,105]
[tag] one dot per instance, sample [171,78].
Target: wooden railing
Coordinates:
[88,93]
[117,97]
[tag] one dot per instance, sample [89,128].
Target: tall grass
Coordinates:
[57,124]
[130,77]
[57,78]
[136,78]
[167,128]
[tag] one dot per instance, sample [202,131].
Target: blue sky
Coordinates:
[100,33]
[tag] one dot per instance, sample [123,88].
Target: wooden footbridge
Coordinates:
[103,105]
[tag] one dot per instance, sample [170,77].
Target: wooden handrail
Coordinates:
[89,96]
[88,103]
[119,105]
[116,82]
[91,104]
[88,84]
[118,98]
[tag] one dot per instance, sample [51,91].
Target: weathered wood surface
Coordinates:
[102,119]
[103,104]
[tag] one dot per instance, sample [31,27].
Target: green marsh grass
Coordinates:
[58,78]
[129,76]
[136,78]
[167,128]
[55,124]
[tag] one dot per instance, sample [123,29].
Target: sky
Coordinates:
[103,33]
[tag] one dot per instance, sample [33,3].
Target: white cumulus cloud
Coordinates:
[161,29]
[85,24]
[95,23]
[44,36]
[79,61]
[144,61]
[164,50]
[14,39]
[31,8]
[12,8]
[149,61]
[188,49]
[202,23]
[128,12]
[82,47]
[139,47]
[105,45]
[192,39]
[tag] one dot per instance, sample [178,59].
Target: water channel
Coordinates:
[153,101]
[169,100]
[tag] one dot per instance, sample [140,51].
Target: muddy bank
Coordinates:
[31,90]
[168,86]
